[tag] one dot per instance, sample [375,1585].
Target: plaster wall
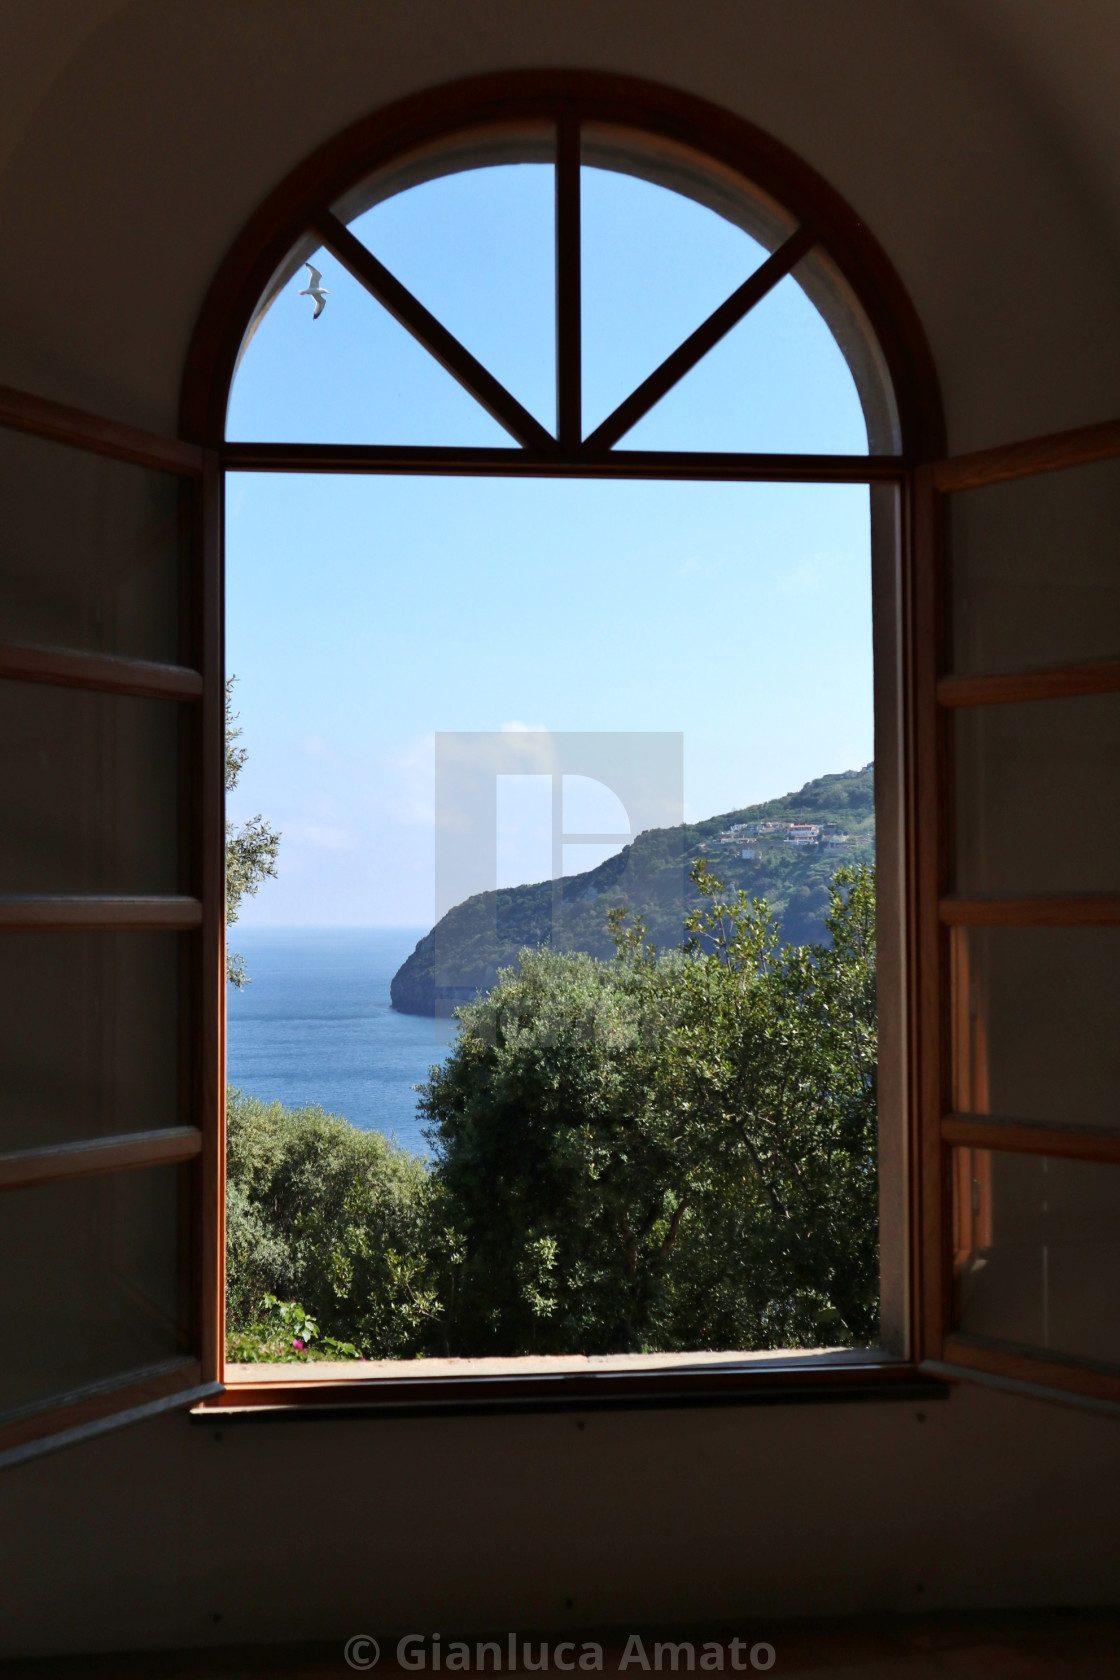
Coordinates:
[724,1519]
[979,144]
[126,177]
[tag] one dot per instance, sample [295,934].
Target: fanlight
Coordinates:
[475,303]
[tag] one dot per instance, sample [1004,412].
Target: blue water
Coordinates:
[315,1025]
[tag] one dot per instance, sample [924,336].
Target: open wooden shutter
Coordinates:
[111,924]
[1016,869]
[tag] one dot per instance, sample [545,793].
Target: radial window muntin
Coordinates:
[794,246]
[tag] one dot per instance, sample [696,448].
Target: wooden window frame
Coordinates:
[95,1407]
[303,209]
[301,215]
[945,1351]
[924,697]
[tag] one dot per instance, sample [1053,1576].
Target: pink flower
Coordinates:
[299,1343]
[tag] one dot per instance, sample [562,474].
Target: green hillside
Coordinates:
[464,951]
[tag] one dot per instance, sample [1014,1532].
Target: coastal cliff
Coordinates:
[784,850]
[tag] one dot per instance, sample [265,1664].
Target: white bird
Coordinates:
[316,291]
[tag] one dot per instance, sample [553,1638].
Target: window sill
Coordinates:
[575,1383]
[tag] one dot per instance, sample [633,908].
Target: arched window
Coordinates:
[589,382]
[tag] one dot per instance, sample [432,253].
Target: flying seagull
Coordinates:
[316,291]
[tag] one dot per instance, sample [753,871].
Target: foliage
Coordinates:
[321,1213]
[250,850]
[286,1331]
[663,1151]
[668,1150]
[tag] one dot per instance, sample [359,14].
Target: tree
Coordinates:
[662,1151]
[775,1060]
[250,850]
[341,1220]
[667,1150]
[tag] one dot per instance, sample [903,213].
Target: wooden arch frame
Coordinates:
[301,204]
[299,211]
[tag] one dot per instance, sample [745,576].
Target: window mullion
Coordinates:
[569,352]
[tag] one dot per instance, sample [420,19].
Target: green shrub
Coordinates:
[665,1151]
[286,1332]
[338,1219]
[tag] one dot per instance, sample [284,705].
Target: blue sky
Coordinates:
[363,614]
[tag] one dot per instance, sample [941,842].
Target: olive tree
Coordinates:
[669,1149]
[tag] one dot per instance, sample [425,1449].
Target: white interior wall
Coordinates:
[981,142]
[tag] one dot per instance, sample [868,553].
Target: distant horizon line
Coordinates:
[234,933]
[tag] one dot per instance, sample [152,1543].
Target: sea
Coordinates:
[315,1025]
